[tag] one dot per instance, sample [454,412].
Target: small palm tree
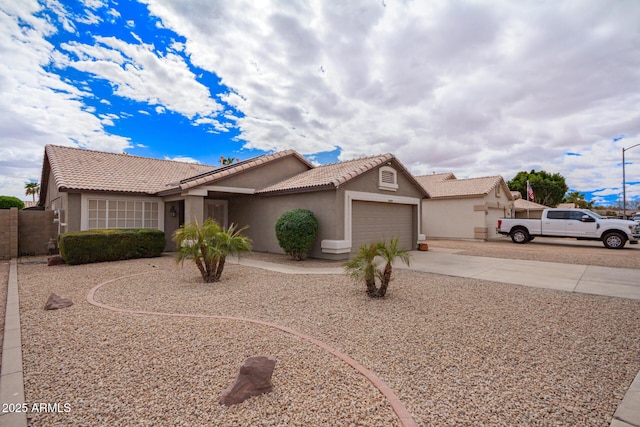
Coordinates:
[208,246]
[31,189]
[364,266]
[389,253]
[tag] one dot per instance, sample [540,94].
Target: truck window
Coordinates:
[558,215]
[577,215]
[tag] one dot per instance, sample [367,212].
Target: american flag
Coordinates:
[529,192]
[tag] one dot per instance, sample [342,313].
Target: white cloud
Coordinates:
[137,72]
[183,159]
[37,107]
[479,88]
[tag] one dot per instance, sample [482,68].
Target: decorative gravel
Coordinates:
[457,351]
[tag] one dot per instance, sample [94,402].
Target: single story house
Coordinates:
[355,201]
[526,208]
[465,209]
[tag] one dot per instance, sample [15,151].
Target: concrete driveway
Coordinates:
[609,281]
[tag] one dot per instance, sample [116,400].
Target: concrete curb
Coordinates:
[11,378]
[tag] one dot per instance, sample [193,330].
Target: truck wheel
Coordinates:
[520,235]
[614,240]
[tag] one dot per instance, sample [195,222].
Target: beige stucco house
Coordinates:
[526,208]
[466,209]
[355,201]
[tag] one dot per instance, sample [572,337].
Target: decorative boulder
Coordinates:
[254,378]
[55,302]
[55,260]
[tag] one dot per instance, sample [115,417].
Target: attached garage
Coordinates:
[373,221]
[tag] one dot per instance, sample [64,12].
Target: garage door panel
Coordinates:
[373,221]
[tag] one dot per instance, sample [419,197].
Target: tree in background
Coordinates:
[577,198]
[31,189]
[548,189]
[8,202]
[228,160]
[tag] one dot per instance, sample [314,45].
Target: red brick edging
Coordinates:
[406,420]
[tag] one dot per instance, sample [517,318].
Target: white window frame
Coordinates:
[84,206]
[388,186]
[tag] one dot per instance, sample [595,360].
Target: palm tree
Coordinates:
[364,267]
[208,246]
[227,160]
[31,189]
[389,254]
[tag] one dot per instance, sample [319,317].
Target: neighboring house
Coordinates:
[526,208]
[465,209]
[355,201]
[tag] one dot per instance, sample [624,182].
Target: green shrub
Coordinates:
[296,231]
[83,247]
[8,202]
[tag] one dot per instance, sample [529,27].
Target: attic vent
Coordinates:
[388,179]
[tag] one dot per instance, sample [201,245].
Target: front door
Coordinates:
[216,209]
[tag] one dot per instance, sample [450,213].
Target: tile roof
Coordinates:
[524,205]
[229,170]
[328,176]
[88,170]
[427,180]
[450,188]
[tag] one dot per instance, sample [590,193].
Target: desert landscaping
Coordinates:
[456,351]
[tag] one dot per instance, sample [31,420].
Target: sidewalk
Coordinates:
[588,279]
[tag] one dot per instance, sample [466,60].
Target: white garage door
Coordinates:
[373,221]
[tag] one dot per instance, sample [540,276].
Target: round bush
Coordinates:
[296,231]
[8,202]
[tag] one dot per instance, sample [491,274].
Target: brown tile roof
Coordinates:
[524,205]
[87,170]
[229,170]
[451,188]
[332,175]
[427,180]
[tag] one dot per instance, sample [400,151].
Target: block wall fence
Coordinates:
[26,232]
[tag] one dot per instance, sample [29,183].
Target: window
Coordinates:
[558,215]
[388,179]
[122,214]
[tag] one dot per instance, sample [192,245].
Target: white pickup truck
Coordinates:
[577,223]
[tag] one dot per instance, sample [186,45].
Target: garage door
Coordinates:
[372,221]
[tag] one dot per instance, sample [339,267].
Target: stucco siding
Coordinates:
[261,214]
[368,182]
[452,218]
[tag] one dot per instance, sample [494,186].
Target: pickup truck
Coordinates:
[577,223]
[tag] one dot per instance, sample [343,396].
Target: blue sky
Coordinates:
[477,88]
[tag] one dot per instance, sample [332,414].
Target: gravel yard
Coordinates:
[457,351]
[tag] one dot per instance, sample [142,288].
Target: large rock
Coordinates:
[55,260]
[55,302]
[254,378]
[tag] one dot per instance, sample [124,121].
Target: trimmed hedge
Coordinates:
[296,231]
[8,202]
[84,247]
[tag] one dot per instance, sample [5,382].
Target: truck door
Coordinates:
[579,228]
[555,224]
